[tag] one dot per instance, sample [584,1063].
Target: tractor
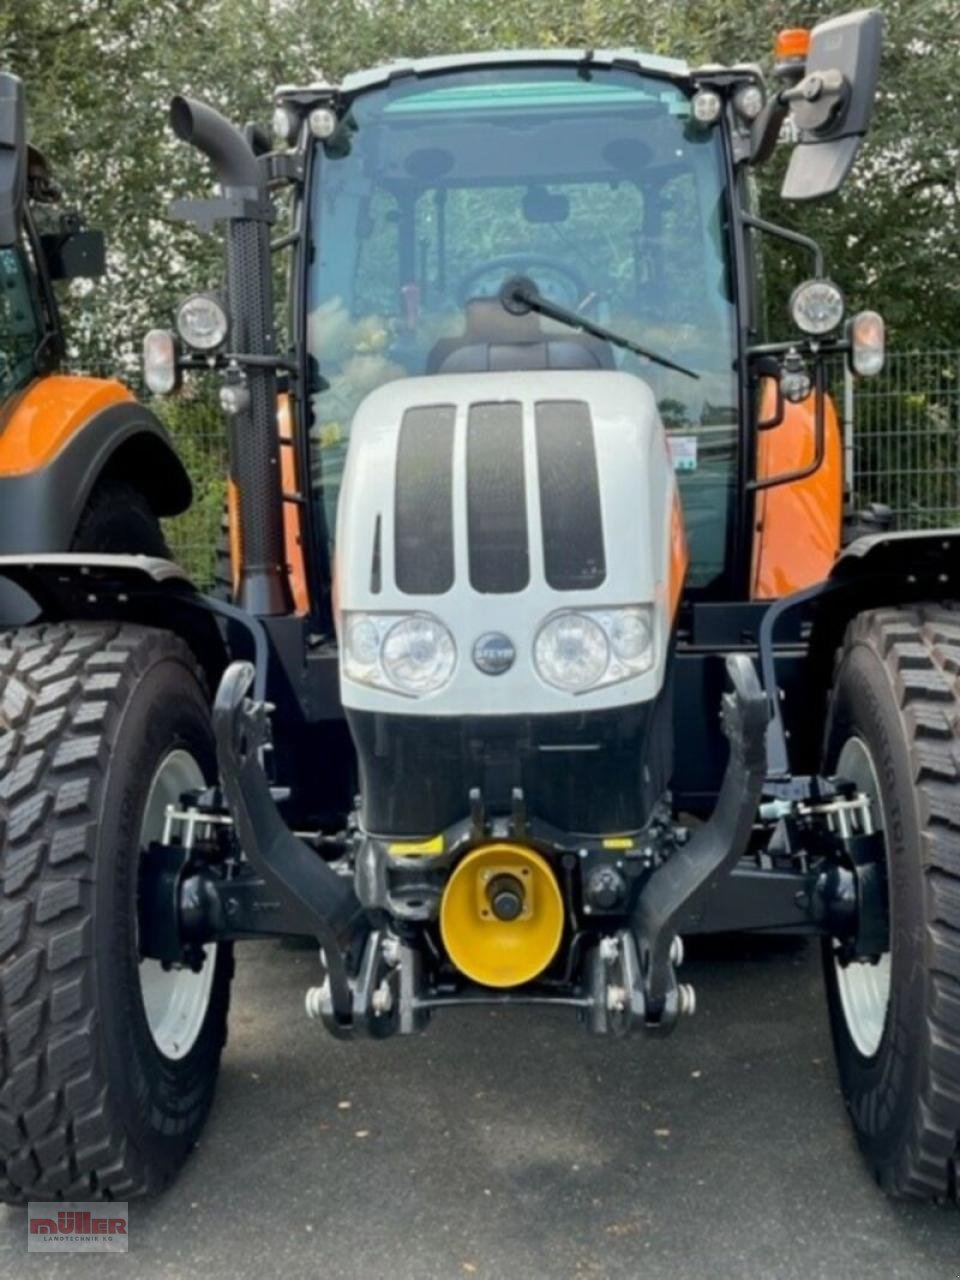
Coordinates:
[545,644]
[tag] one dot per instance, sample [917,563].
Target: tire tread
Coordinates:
[63,689]
[920,648]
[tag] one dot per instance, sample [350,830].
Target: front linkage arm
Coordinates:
[712,851]
[321,900]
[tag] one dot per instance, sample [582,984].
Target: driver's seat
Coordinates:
[495,341]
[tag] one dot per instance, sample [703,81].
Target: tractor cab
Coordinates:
[593,182]
[35,250]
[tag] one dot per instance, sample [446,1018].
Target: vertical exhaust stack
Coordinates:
[253,437]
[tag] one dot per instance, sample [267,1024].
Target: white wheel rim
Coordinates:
[864,988]
[174,1000]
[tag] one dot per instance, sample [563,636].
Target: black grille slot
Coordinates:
[496,499]
[423,523]
[573,552]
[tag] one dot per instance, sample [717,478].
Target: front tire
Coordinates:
[894,729]
[99,1097]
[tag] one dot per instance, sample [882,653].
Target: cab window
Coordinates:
[603,190]
[20,324]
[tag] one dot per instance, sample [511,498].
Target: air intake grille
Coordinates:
[423,528]
[497,499]
[573,555]
[498,535]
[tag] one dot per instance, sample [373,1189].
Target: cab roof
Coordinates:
[632,59]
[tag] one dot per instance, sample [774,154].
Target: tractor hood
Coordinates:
[493,502]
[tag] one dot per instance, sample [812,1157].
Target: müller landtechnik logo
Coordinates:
[77,1227]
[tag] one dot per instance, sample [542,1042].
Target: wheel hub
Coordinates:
[175,999]
[863,985]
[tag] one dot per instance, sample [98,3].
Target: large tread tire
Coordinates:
[896,687]
[89,1107]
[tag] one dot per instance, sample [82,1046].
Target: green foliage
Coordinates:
[101,72]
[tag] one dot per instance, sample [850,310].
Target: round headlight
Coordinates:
[816,307]
[418,655]
[630,634]
[571,652]
[202,322]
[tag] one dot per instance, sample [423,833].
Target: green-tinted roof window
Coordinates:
[538,94]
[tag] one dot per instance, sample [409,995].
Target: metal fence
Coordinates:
[902,437]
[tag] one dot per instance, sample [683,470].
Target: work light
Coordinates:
[748,101]
[202,322]
[816,307]
[707,106]
[322,122]
[285,124]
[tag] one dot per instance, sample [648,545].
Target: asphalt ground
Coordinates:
[515,1145]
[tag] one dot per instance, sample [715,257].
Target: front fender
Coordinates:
[58,439]
[70,586]
[877,570]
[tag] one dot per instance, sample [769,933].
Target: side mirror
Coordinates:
[13,158]
[832,105]
[72,254]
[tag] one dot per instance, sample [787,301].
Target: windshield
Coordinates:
[20,327]
[598,187]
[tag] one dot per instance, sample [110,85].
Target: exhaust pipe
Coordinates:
[202,127]
[254,443]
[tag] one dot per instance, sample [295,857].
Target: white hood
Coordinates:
[636,487]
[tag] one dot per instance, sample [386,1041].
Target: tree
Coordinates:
[101,72]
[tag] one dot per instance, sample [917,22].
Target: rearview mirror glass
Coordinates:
[832,105]
[74,255]
[542,206]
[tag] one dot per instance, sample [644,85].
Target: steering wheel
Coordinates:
[521,264]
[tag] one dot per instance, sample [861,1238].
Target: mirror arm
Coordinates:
[766,130]
[791,237]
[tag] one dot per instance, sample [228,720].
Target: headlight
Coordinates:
[161,368]
[202,322]
[816,307]
[407,653]
[579,650]
[571,652]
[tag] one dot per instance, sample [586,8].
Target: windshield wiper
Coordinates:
[520,295]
